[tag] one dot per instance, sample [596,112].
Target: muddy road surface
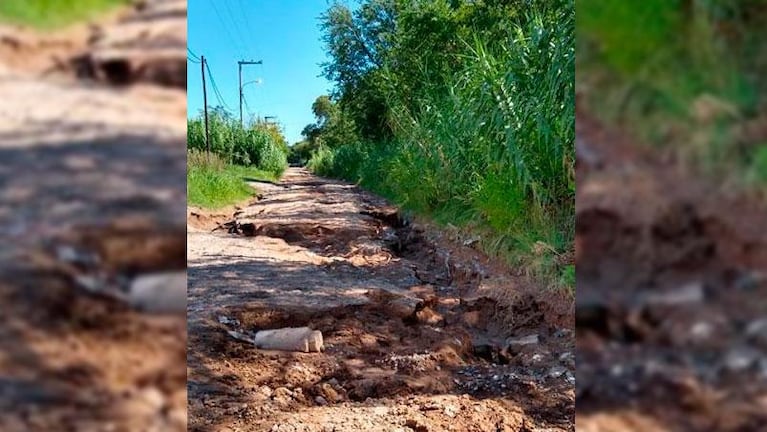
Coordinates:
[421,332]
[89,173]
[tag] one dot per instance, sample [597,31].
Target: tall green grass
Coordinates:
[259,145]
[489,148]
[679,75]
[49,14]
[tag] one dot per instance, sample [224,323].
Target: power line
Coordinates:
[189,59]
[194,56]
[226,27]
[220,99]
[236,26]
[205,107]
[246,15]
[247,107]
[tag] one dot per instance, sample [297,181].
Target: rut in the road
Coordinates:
[327,255]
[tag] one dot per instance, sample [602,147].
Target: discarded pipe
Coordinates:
[301,339]
[159,292]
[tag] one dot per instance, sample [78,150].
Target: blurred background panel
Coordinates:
[671,143]
[92,208]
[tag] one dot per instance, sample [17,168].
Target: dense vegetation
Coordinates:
[259,144]
[256,151]
[687,75]
[461,110]
[53,13]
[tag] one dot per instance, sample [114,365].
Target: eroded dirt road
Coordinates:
[672,294]
[102,170]
[481,352]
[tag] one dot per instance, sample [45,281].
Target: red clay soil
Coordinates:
[330,256]
[672,294]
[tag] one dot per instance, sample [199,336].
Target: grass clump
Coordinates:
[50,14]
[684,76]
[212,183]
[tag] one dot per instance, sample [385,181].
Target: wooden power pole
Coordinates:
[205,107]
[240,63]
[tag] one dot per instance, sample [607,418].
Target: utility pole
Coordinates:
[205,105]
[240,63]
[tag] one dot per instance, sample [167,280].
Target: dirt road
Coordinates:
[330,256]
[672,293]
[99,170]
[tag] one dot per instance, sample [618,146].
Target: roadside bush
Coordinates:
[321,162]
[257,145]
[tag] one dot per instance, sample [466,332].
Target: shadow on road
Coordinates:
[68,360]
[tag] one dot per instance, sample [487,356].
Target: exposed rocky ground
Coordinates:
[421,332]
[88,171]
[672,294]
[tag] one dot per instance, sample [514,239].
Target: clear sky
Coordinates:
[282,33]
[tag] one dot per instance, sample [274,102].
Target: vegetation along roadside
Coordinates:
[460,111]
[239,154]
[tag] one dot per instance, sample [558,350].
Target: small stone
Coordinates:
[471,240]
[689,293]
[450,411]
[321,401]
[557,371]
[222,319]
[429,406]
[756,331]
[282,393]
[740,359]
[616,370]
[523,340]
[264,391]
[701,330]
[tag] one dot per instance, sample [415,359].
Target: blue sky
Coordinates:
[282,33]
